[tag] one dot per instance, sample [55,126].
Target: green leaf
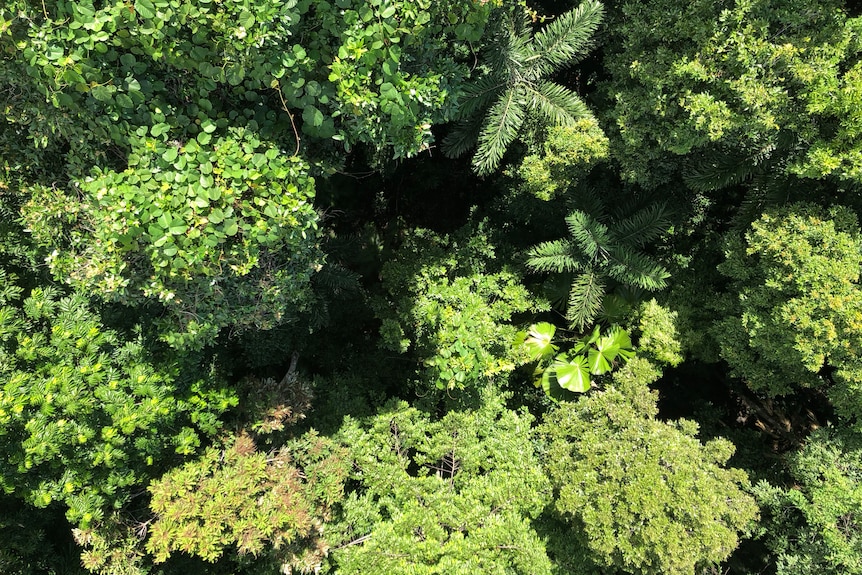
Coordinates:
[572,375]
[246,20]
[388,12]
[159,129]
[538,341]
[145,8]
[311,115]
[231,227]
[216,216]
[124,101]
[606,350]
[101,93]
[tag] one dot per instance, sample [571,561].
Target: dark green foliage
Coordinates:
[515,89]
[450,496]
[598,253]
[236,179]
[621,471]
[812,524]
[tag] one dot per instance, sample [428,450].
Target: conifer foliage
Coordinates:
[600,252]
[517,89]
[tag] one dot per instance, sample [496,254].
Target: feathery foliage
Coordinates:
[600,253]
[515,88]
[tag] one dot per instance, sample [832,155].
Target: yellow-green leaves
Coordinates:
[795,321]
[85,414]
[620,471]
[592,355]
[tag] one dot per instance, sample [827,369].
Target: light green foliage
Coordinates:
[603,249]
[374,73]
[797,318]
[256,502]
[516,89]
[160,139]
[658,339]
[812,525]
[568,154]
[394,67]
[645,496]
[451,305]
[85,416]
[748,84]
[450,496]
[594,354]
[221,232]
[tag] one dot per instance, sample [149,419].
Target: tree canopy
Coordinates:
[407,286]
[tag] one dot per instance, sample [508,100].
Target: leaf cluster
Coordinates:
[620,470]
[220,228]
[598,252]
[84,415]
[455,495]
[256,502]
[494,108]
[452,306]
[594,354]
[795,319]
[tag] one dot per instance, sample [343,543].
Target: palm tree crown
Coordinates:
[496,106]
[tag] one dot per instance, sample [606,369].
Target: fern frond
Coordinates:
[585,299]
[591,235]
[633,268]
[479,95]
[555,256]
[643,226]
[462,137]
[559,105]
[568,38]
[500,129]
[721,170]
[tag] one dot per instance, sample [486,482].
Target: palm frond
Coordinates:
[559,105]
[633,268]
[479,95]
[555,256]
[568,38]
[506,41]
[462,137]
[643,226]
[500,129]
[719,170]
[585,299]
[766,191]
[337,281]
[591,235]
